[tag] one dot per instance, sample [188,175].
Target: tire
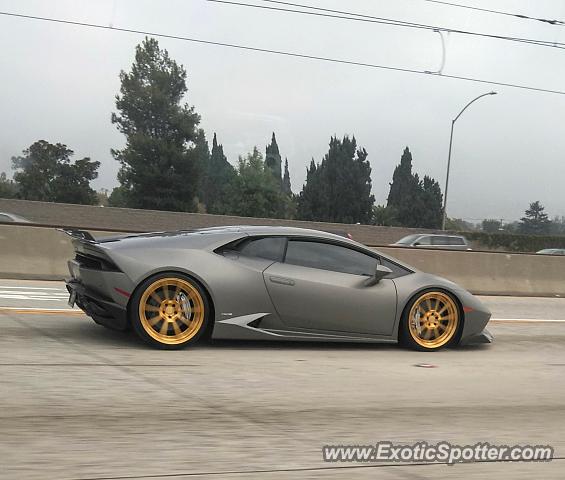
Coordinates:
[170,311]
[432,320]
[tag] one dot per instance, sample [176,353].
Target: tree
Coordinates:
[491,225]
[431,203]
[535,221]
[384,216]
[217,181]
[286,187]
[8,188]
[417,203]
[403,195]
[458,224]
[339,188]
[159,164]
[256,191]
[45,173]
[273,161]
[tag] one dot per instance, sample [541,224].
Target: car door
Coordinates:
[322,286]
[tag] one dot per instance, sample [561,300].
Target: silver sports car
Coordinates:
[266,283]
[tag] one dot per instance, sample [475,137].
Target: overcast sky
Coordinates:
[58,83]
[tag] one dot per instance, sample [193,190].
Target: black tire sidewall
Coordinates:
[134,311]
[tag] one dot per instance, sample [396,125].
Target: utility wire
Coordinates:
[498,12]
[278,52]
[345,15]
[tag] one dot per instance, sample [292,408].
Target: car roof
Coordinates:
[272,230]
[15,218]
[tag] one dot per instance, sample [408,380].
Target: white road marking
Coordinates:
[526,320]
[33,288]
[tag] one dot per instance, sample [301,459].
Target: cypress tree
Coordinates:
[286,187]
[273,161]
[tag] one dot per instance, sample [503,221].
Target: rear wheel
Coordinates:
[169,311]
[431,321]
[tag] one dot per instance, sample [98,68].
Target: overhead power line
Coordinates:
[358,17]
[278,52]
[498,12]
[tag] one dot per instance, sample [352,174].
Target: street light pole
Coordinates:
[444,216]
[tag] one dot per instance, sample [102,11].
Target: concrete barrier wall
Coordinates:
[490,273]
[133,220]
[42,253]
[35,252]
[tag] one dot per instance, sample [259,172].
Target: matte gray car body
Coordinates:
[256,298]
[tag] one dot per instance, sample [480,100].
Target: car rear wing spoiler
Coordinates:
[77,234]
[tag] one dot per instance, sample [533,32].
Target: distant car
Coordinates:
[11,218]
[552,251]
[450,242]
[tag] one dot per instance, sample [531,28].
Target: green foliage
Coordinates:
[286,187]
[256,191]
[536,221]
[384,216]
[513,242]
[8,188]
[119,197]
[339,188]
[491,225]
[45,173]
[273,161]
[160,164]
[458,224]
[217,181]
[417,203]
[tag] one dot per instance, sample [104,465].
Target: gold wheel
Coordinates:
[433,320]
[171,311]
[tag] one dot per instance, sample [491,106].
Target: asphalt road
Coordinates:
[81,402]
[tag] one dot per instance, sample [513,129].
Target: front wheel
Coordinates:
[431,321]
[169,311]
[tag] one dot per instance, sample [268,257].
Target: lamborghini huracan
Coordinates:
[267,283]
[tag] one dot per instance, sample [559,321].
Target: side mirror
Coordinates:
[380,272]
[416,244]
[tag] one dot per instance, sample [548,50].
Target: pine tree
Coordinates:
[339,188]
[159,164]
[415,203]
[218,181]
[536,221]
[273,160]
[432,209]
[286,187]
[403,195]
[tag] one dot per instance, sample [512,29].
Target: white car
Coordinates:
[445,242]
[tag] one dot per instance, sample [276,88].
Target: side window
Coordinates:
[456,241]
[327,256]
[424,241]
[269,248]
[5,219]
[397,270]
[439,240]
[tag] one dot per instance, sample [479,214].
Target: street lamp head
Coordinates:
[492,93]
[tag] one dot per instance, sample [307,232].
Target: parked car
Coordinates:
[552,251]
[450,242]
[10,217]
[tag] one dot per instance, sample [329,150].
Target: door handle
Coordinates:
[282,281]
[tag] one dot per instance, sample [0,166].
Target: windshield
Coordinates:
[408,240]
